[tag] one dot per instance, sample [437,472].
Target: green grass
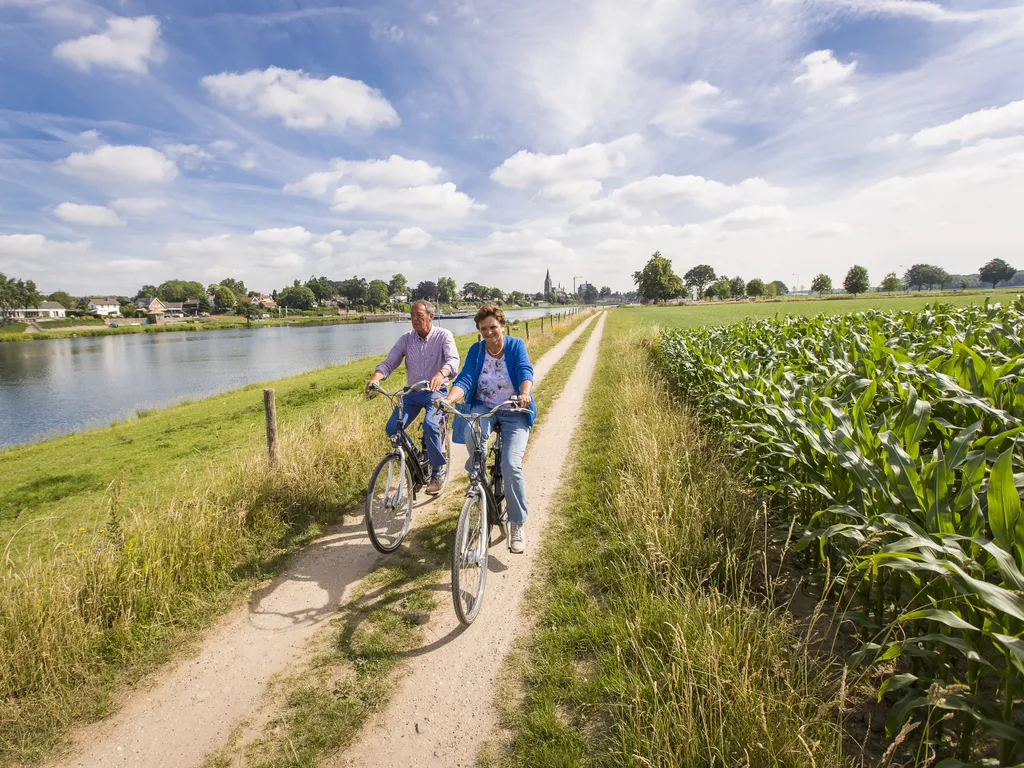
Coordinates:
[725,312]
[105,588]
[319,708]
[651,645]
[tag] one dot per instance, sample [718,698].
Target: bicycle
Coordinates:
[483,510]
[400,475]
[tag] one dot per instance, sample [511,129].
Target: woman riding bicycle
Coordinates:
[496,369]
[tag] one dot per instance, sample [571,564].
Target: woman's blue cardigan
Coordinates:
[517,362]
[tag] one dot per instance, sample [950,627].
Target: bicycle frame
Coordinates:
[403,445]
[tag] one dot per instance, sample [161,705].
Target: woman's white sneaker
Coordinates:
[517,540]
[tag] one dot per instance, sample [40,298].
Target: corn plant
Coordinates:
[896,443]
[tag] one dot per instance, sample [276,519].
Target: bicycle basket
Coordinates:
[457,425]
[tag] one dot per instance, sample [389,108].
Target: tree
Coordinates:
[353,290]
[426,289]
[781,288]
[296,297]
[517,297]
[856,280]
[237,287]
[996,271]
[475,291]
[771,290]
[921,275]
[447,289]
[322,288]
[721,288]
[656,281]
[16,294]
[821,283]
[737,287]
[146,292]
[890,282]
[248,310]
[180,290]
[755,287]
[65,299]
[698,277]
[398,284]
[224,299]
[605,292]
[590,294]
[377,293]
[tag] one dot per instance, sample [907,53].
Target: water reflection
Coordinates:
[53,387]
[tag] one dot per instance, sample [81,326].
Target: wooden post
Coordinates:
[270,406]
[527,330]
[542,323]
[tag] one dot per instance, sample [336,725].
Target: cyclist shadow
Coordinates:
[312,585]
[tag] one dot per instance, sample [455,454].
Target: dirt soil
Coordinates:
[186,711]
[444,708]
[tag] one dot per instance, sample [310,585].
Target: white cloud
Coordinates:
[395,171]
[129,44]
[138,206]
[190,156]
[984,122]
[823,71]
[593,161]
[93,215]
[831,229]
[603,211]
[223,146]
[90,136]
[412,237]
[285,236]
[126,163]
[755,217]
[248,161]
[431,201]
[690,107]
[569,193]
[302,101]
[706,193]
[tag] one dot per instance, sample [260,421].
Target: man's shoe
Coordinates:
[434,486]
[516,538]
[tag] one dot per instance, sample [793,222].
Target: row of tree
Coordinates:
[15,294]
[658,282]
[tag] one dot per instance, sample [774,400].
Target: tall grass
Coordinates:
[68,623]
[652,645]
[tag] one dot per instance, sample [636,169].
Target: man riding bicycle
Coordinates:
[430,354]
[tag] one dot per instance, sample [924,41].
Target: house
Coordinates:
[45,309]
[399,298]
[106,306]
[173,309]
[191,307]
[262,300]
[150,305]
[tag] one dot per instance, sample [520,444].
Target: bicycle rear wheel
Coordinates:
[389,504]
[469,558]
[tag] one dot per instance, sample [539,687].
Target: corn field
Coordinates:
[893,444]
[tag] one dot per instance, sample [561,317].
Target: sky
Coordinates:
[274,140]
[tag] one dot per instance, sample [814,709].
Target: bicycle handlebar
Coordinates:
[419,385]
[513,402]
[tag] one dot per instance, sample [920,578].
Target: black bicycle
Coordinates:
[400,475]
[483,510]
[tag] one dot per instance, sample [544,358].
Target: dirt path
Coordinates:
[190,709]
[444,707]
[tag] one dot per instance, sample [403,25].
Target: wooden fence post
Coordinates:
[527,330]
[270,406]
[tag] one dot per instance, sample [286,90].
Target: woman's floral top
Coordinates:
[494,385]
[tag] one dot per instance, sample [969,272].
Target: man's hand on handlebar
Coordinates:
[437,381]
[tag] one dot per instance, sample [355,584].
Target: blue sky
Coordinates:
[491,141]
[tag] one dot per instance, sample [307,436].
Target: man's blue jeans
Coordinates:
[412,405]
[515,433]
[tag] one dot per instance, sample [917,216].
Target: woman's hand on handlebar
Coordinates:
[523,399]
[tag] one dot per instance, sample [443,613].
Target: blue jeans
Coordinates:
[412,405]
[515,433]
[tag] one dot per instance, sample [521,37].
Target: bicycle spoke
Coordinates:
[389,504]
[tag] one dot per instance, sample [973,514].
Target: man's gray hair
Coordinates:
[427,306]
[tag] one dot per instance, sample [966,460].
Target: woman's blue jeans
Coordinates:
[515,433]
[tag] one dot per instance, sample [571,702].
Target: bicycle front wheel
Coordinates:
[469,558]
[389,504]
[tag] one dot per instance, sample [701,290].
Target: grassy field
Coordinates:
[653,642]
[97,589]
[724,312]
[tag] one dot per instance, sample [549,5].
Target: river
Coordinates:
[54,387]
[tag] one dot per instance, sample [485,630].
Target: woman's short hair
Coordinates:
[490,310]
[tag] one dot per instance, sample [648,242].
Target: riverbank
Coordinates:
[100,587]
